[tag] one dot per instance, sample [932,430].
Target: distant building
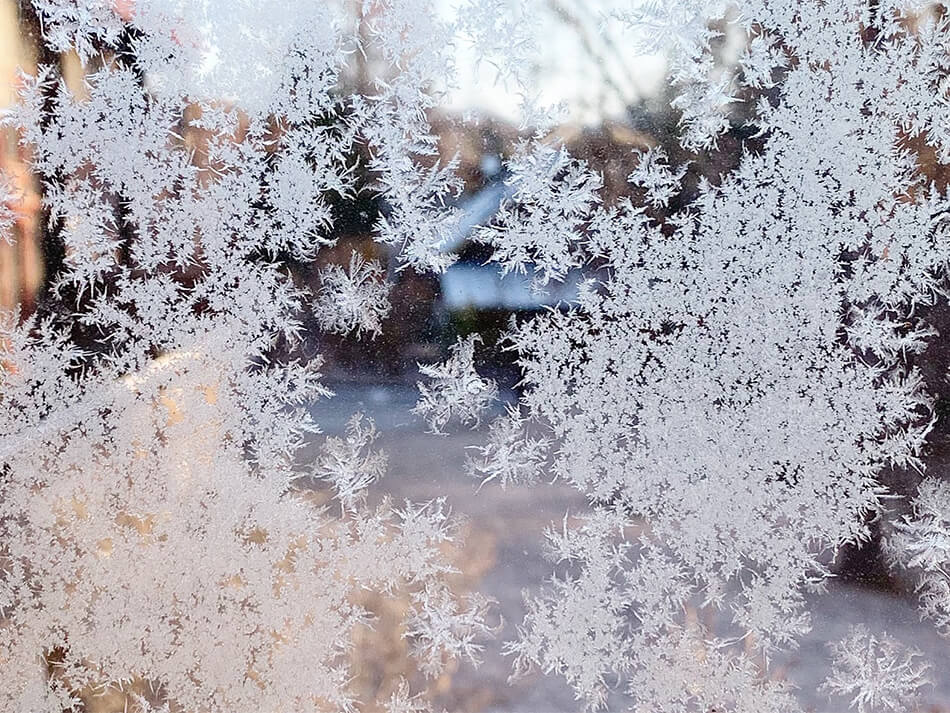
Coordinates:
[473,284]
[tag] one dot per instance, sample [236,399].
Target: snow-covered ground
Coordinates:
[503,552]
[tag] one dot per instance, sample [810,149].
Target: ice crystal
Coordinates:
[355,298]
[8,212]
[875,672]
[347,462]
[509,456]
[454,389]
[921,542]
[655,177]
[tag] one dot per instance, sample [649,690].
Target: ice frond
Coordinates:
[355,298]
[348,464]
[875,672]
[454,389]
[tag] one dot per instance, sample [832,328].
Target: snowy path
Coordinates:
[505,538]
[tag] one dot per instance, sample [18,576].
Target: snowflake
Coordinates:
[876,672]
[351,299]
[454,389]
[509,456]
[348,464]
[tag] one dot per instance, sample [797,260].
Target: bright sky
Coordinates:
[583,59]
[579,57]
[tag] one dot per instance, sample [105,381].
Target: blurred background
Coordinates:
[612,103]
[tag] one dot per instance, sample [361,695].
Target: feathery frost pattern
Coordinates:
[353,299]
[921,543]
[737,378]
[728,392]
[8,215]
[875,672]
[155,537]
[454,389]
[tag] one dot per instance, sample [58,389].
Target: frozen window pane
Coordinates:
[357,354]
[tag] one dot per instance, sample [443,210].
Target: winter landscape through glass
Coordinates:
[474,355]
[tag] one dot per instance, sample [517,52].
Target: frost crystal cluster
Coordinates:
[731,388]
[877,674]
[353,299]
[728,391]
[453,389]
[156,540]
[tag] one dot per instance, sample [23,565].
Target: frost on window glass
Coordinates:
[504,355]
